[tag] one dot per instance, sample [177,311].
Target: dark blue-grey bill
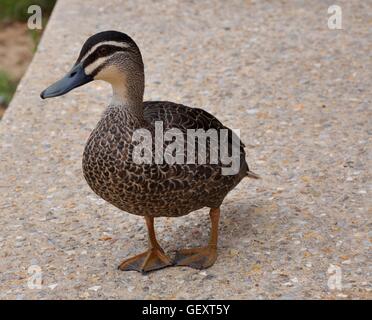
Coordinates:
[75,78]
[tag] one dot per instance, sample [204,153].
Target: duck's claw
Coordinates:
[197,258]
[150,260]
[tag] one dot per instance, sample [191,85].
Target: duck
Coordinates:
[114,165]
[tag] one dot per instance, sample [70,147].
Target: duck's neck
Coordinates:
[127,92]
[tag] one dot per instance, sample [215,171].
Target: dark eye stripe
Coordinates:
[98,69]
[99,53]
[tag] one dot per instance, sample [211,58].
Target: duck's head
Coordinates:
[111,56]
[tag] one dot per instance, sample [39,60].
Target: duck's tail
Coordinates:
[251,174]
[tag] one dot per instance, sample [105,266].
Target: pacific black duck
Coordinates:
[149,189]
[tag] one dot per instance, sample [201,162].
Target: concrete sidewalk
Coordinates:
[299,92]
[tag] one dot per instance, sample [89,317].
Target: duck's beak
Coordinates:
[75,78]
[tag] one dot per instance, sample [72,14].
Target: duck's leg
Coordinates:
[152,259]
[204,257]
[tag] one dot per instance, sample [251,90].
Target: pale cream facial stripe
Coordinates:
[95,64]
[109,43]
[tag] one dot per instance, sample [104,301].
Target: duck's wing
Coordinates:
[202,184]
[183,117]
[180,116]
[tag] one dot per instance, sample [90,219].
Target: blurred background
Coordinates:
[17,43]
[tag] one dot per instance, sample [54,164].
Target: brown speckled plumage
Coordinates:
[154,190]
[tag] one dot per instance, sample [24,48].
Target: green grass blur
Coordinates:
[7,88]
[16,10]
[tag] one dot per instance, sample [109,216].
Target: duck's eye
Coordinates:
[103,51]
